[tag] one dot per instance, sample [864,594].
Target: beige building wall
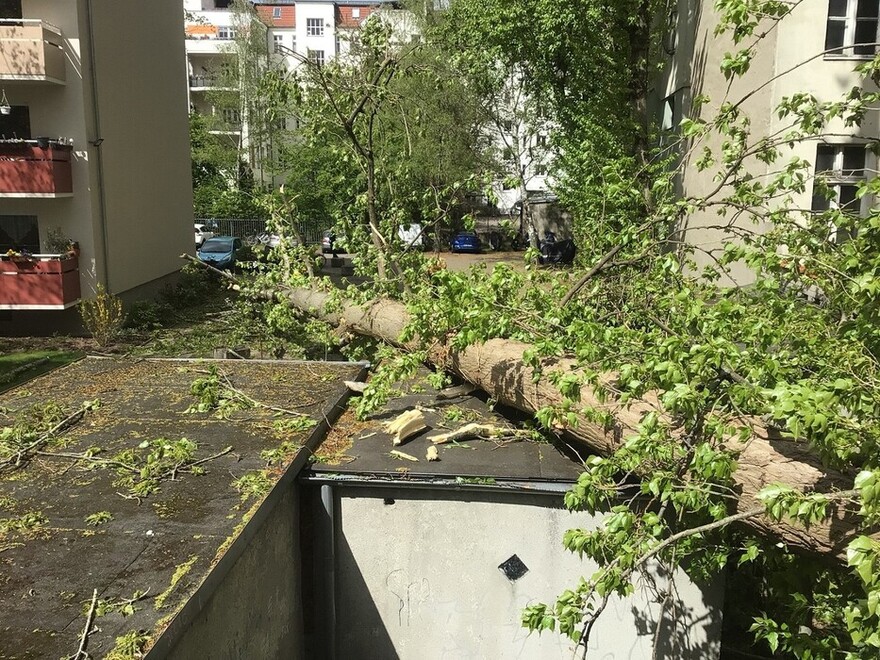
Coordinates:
[694,56]
[58,111]
[144,132]
[131,154]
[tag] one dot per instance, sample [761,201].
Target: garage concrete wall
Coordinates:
[256,611]
[417,576]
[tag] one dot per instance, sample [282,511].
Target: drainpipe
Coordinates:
[327,501]
[96,144]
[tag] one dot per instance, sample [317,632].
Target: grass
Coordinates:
[20,367]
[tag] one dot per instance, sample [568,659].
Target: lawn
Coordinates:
[21,366]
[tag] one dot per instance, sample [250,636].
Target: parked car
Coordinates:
[466,241]
[220,251]
[202,234]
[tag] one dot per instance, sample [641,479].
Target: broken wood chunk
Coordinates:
[355,386]
[406,425]
[406,457]
[468,432]
[433,453]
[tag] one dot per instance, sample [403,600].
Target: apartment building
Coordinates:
[94,151]
[814,50]
[317,30]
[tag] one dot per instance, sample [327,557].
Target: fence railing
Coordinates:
[250,228]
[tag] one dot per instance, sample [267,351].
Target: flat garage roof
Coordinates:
[165,542]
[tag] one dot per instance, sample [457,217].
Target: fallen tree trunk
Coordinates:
[497,367]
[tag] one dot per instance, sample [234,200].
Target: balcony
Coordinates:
[35,168]
[39,281]
[31,50]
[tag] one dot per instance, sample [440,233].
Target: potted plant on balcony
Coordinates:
[58,243]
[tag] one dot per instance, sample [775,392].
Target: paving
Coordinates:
[164,543]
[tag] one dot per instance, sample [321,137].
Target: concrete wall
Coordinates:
[417,576]
[143,114]
[255,612]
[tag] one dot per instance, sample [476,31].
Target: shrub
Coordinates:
[102,316]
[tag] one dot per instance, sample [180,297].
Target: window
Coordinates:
[355,12]
[293,42]
[541,141]
[315,27]
[277,42]
[338,44]
[17,124]
[276,12]
[540,169]
[316,57]
[226,33]
[19,232]
[231,115]
[841,167]
[852,27]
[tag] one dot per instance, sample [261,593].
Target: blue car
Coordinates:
[466,241]
[220,251]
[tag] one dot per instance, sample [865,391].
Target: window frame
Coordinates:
[315,27]
[837,178]
[850,21]
[314,59]
[276,12]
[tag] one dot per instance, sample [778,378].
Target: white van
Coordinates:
[411,235]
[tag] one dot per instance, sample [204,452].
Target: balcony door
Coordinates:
[19,232]
[17,124]
[10,8]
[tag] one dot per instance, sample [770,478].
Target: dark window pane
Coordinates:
[834,34]
[853,161]
[847,200]
[837,7]
[820,203]
[17,124]
[866,33]
[824,158]
[867,8]
[19,232]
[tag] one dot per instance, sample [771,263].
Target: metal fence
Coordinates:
[249,228]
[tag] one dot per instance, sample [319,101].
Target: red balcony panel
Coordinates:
[30,170]
[39,282]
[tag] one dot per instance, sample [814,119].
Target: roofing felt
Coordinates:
[51,559]
[518,460]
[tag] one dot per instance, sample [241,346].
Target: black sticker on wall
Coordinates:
[514,568]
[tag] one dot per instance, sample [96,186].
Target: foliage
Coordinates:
[129,646]
[798,349]
[102,315]
[179,573]
[255,484]
[99,518]
[142,469]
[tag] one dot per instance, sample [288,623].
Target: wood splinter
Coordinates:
[406,426]
[406,457]
[469,432]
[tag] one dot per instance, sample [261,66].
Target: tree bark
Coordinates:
[497,367]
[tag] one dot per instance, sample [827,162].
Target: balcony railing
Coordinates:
[35,168]
[39,281]
[31,50]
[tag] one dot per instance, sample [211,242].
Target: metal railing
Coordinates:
[248,229]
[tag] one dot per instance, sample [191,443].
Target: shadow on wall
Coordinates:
[670,625]
[331,622]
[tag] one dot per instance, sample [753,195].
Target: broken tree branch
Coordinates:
[767,457]
[84,640]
